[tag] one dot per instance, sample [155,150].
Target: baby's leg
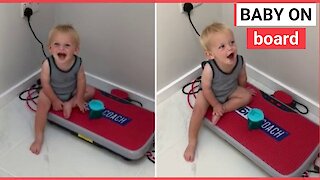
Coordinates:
[89,92]
[239,98]
[215,118]
[67,107]
[199,110]
[43,107]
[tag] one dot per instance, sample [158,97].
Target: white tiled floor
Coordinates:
[214,156]
[62,155]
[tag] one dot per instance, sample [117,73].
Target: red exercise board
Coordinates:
[285,156]
[132,135]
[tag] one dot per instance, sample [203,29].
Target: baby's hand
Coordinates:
[57,105]
[218,110]
[252,91]
[81,104]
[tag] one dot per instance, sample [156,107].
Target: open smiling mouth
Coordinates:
[230,56]
[62,55]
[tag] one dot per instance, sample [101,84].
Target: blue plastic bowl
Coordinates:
[96,105]
[255,118]
[96,108]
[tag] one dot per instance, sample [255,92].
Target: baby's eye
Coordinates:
[221,46]
[67,45]
[56,44]
[232,42]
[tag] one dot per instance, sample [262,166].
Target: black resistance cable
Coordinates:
[28,12]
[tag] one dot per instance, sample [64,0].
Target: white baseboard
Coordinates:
[15,90]
[148,103]
[253,73]
[176,85]
[93,80]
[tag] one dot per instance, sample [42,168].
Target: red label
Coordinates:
[276,38]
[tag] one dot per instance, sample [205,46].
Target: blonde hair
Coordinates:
[64,28]
[209,31]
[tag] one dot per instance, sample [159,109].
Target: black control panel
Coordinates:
[124,101]
[276,102]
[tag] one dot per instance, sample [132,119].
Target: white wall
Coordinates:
[117,41]
[179,50]
[20,53]
[178,47]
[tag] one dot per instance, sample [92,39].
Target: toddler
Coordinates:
[223,81]
[63,80]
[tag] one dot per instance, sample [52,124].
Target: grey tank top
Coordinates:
[64,83]
[224,84]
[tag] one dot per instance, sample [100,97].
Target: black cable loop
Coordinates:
[135,101]
[26,99]
[296,108]
[188,84]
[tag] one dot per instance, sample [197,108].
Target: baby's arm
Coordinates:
[46,87]
[206,83]
[242,79]
[81,89]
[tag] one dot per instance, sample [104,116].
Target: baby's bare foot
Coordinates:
[67,108]
[36,146]
[189,153]
[215,119]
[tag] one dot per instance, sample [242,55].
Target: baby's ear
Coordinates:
[77,51]
[49,48]
[209,55]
